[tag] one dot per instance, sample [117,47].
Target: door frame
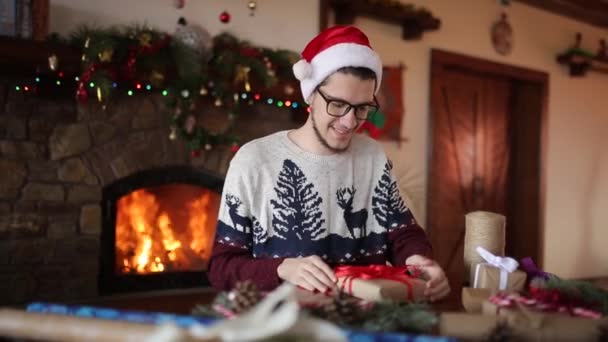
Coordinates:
[441,59]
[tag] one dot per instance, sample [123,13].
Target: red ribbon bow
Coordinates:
[402,274]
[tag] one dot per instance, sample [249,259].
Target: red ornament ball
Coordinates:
[179,3]
[225,17]
[195,153]
[234,148]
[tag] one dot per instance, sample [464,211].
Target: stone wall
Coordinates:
[56,157]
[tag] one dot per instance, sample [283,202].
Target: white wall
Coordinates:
[276,23]
[576,227]
[576,219]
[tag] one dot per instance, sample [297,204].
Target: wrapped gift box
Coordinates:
[488,277]
[503,301]
[383,289]
[523,326]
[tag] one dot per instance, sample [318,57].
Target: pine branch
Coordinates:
[402,317]
[584,291]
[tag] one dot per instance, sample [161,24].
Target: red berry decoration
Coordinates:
[225,17]
[234,148]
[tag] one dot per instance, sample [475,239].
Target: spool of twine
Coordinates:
[485,229]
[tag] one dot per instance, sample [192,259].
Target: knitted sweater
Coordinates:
[280,201]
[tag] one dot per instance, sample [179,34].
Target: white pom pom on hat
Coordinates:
[302,69]
[332,49]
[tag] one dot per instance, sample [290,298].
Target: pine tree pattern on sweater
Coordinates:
[297,214]
[388,206]
[279,201]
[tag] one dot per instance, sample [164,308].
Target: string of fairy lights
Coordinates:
[248,97]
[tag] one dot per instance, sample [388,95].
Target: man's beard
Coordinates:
[322,140]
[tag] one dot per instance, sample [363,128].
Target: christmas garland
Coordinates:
[193,70]
[570,293]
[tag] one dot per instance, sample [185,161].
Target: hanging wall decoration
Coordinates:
[580,60]
[501,32]
[386,123]
[502,35]
[414,21]
[252,5]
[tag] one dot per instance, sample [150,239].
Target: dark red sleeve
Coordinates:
[406,241]
[229,264]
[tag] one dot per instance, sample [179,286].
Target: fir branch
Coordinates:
[399,317]
[584,291]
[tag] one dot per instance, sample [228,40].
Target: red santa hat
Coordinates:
[332,49]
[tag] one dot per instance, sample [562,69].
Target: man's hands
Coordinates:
[311,273]
[437,285]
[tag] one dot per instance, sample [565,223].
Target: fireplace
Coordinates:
[68,164]
[158,227]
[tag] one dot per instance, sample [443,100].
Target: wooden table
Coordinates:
[183,301]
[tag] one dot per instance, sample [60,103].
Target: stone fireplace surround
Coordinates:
[56,156]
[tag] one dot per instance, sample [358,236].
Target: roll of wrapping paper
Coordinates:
[485,229]
[51,327]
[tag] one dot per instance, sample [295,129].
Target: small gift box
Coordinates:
[498,273]
[472,299]
[489,277]
[381,283]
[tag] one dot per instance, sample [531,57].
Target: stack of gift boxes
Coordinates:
[512,302]
[507,301]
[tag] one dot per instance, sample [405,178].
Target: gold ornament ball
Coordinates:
[252,6]
[54,62]
[208,147]
[218,102]
[106,55]
[289,89]
[145,39]
[204,91]
[157,78]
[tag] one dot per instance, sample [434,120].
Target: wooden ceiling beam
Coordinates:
[594,12]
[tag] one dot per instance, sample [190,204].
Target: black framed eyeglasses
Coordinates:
[340,108]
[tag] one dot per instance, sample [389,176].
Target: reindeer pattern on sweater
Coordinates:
[281,201]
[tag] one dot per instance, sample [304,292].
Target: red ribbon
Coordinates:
[544,300]
[399,273]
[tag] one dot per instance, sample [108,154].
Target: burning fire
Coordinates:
[166,228]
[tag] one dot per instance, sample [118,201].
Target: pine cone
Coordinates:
[244,296]
[344,309]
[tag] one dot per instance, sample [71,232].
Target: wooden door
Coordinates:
[523,235]
[469,158]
